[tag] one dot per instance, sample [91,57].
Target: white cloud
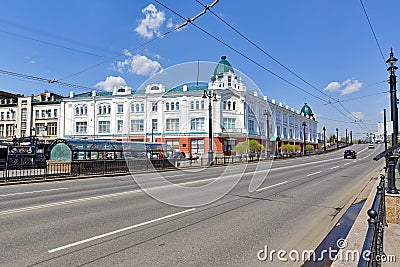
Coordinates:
[150,25]
[333,87]
[138,64]
[345,88]
[357,115]
[111,82]
[351,87]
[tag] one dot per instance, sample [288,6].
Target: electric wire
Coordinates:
[255,62]
[274,59]
[372,30]
[119,55]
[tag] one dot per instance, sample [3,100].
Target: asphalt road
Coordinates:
[111,222]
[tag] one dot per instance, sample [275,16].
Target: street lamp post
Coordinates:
[268,141]
[394,116]
[152,134]
[393,98]
[212,97]
[304,137]
[337,138]
[351,137]
[346,137]
[324,129]
[384,129]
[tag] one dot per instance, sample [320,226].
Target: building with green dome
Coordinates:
[178,116]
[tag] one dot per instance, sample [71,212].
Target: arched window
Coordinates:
[132,108]
[85,110]
[142,107]
[137,108]
[99,109]
[192,105]
[81,111]
[104,109]
[224,105]
[229,105]
[77,111]
[172,105]
[197,105]
[177,105]
[202,104]
[109,109]
[234,105]
[167,106]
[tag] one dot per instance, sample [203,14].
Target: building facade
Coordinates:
[22,116]
[179,116]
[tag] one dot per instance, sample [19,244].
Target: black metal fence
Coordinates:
[372,250]
[82,168]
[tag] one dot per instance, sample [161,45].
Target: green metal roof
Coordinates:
[306,110]
[223,67]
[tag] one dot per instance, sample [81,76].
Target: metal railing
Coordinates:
[372,250]
[53,170]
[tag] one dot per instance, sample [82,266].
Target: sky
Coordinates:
[100,44]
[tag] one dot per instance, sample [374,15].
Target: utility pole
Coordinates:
[384,129]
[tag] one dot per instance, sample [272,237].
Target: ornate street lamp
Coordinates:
[393,98]
[324,129]
[212,97]
[304,137]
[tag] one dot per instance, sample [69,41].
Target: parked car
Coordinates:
[350,154]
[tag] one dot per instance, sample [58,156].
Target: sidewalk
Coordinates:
[355,238]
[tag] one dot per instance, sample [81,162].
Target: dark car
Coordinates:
[350,154]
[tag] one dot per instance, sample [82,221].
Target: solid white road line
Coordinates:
[118,231]
[33,192]
[314,173]
[335,167]
[347,163]
[67,202]
[271,186]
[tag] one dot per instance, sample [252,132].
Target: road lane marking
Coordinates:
[33,192]
[335,167]
[67,202]
[314,173]
[271,186]
[118,231]
[347,163]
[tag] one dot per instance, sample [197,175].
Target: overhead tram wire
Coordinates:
[119,55]
[240,53]
[276,61]
[251,60]
[51,44]
[40,79]
[372,30]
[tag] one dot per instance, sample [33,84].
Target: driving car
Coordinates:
[371,146]
[350,154]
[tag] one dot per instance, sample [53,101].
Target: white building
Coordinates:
[179,116]
[22,116]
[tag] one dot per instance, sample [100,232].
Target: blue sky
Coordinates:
[327,43]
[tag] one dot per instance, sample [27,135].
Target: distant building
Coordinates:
[179,116]
[379,135]
[22,116]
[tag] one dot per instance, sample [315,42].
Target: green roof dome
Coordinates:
[306,111]
[223,67]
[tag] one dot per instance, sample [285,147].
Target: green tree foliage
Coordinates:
[249,146]
[331,138]
[289,148]
[309,147]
